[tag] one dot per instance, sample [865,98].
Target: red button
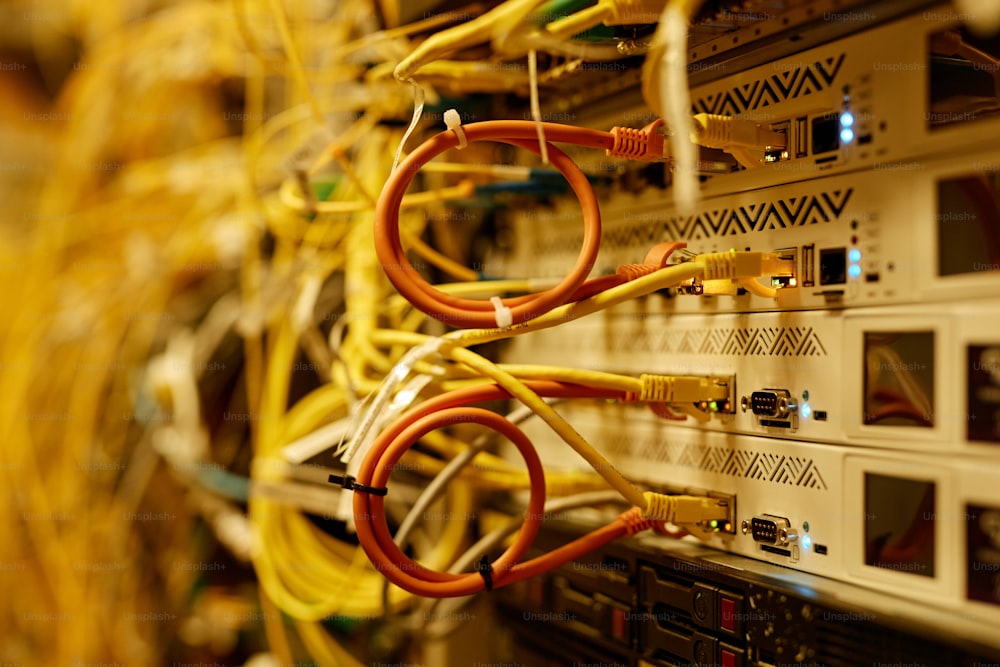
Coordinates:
[728,614]
[728,658]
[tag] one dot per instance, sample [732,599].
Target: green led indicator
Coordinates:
[713,406]
[805,395]
[713,523]
[805,526]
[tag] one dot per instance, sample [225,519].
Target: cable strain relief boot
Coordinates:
[645,145]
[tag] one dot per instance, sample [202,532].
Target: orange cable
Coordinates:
[369,513]
[473,313]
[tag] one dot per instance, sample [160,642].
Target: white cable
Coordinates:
[399,372]
[536,109]
[363,438]
[318,441]
[302,312]
[675,101]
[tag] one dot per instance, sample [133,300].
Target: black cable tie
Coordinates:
[348,482]
[485,568]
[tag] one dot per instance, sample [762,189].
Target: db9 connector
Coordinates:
[772,530]
[769,403]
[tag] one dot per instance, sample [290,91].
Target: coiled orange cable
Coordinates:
[472,313]
[369,513]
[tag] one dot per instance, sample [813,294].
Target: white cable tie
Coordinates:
[454,122]
[418,110]
[504,317]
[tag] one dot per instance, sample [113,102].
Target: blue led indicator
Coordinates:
[847,135]
[854,255]
[847,119]
[854,270]
[807,542]
[805,411]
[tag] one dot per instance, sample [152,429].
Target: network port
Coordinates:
[790,256]
[775,403]
[722,524]
[771,530]
[779,150]
[727,525]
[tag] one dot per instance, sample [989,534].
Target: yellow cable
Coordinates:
[291,196]
[274,628]
[667,277]
[295,60]
[755,287]
[581,21]
[437,259]
[478,30]
[562,428]
[322,647]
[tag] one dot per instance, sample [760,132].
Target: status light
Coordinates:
[847,135]
[854,270]
[846,119]
[854,255]
[807,542]
[805,411]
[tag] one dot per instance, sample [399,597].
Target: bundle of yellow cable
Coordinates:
[195,141]
[114,241]
[143,220]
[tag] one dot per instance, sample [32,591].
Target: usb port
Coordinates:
[808,262]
